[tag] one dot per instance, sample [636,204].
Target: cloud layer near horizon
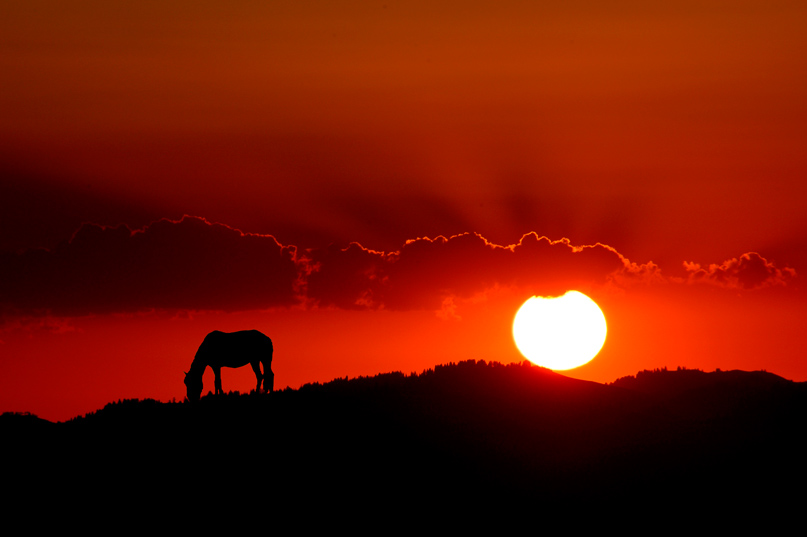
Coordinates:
[189,264]
[192,264]
[749,271]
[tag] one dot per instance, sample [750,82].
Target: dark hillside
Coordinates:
[458,434]
[669,384]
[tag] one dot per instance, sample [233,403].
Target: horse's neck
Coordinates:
[198,366]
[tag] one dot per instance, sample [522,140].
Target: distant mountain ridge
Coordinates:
[662,382]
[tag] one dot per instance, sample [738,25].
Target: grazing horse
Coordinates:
[234,349]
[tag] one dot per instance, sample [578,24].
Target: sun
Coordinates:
[561,332]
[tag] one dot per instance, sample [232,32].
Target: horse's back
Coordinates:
[234,349]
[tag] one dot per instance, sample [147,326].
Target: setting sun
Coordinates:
[559,332]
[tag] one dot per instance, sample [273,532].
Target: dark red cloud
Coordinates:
[186,264]
[424,272]
[192,264]
[749,271]
[347,278]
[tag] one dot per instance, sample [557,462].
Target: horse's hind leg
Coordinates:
[256,367]
[268,377]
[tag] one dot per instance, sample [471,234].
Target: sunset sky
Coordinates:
[378,186]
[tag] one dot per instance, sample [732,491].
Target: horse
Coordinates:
[231,349]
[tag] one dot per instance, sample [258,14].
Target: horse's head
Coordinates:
[194,387]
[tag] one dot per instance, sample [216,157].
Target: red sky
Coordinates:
[672,134]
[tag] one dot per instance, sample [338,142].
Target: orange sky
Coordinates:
[670,133]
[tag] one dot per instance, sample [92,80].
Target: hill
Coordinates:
[458,434]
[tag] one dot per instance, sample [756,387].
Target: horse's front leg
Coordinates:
[217,372]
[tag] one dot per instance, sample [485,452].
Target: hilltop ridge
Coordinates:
[468,429]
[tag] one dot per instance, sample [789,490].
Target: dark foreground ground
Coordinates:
[472,439]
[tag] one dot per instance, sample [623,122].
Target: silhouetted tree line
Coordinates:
[473,431]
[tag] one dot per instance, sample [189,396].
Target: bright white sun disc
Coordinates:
[561,332]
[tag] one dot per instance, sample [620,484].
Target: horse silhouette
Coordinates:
[233,349]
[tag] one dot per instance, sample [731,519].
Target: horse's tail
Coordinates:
[268,374]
